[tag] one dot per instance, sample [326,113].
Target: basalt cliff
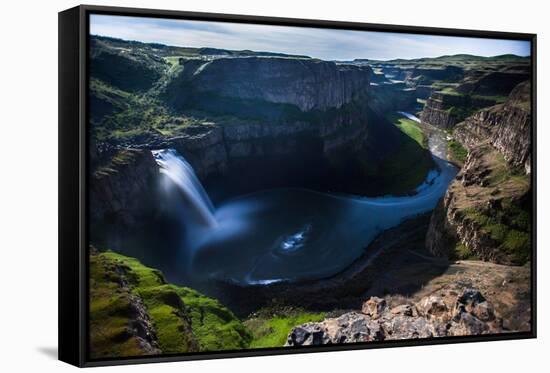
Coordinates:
[270,120]
[486,210]
[250,121]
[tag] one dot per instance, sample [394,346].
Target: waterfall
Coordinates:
[180,172]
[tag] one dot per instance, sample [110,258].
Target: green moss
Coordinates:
[518,244]
[184,319]
[167,311]
[411,129]
[270,328]
[457,151]
[508,227]
[497,231]
[214,325]
[461,112]
[109,313]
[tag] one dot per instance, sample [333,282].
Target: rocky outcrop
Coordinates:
[437,111]
[443,314]
[422,75]
[119,188]
[214,149]
[507,127]
[124,68]
[486,211]
[497,83]
[444,110]
[305,83]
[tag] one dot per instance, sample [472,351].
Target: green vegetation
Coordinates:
[407,167]
[121,158]
[457,152]
[184,320]
[496,99]
[173,60]
[109,313]
[120,116]
[507,220]
[508,226]
[215,326]
[461,112]
[168,313]
[270,328]
[462,252]
[502,172]
[410,128]
[450,91]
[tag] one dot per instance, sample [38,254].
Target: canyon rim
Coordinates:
[249,198]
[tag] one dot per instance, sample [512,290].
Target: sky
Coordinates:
[327,44]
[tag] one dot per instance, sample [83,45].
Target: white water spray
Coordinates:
[177,169]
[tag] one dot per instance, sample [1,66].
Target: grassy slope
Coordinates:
[122,115]
[270,328]
[109,311]
[411,129]
[408,166]
[457,152]
[174,311]
[507,223]
[214,325]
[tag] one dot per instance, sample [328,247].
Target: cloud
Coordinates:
[329,44]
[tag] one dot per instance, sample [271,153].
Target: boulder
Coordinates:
[374,307]
[432,316]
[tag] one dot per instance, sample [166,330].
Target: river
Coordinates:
[298,234]
[272,235]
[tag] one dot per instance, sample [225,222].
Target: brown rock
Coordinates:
[374,307]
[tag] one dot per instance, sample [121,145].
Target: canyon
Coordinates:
[446,141]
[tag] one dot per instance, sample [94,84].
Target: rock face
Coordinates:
[507,127]
[439,315]
[306,83]
[119,187]
[480,213]
[420,75]
[444,110]
[486,211]
[496,83]
[219,149]
[387,97]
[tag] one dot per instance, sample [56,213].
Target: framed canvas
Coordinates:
[236,186]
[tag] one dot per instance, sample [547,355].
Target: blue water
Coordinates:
[293,234]
[298,234]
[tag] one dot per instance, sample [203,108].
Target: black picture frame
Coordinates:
[73,187]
